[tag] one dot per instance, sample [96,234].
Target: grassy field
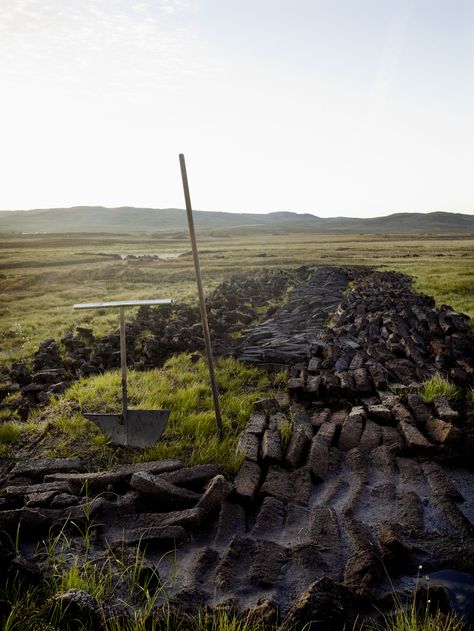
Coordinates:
[42,276]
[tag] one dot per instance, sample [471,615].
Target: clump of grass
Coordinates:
[87,576]
[413,620]
[224,621]
[14,397]
[280,379]
[69,566]
[470,396]
[286,429]
[9,433]
[437,386]
[7,415]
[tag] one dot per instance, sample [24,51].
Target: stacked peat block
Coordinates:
[287,336]
[383,334]
[160,502]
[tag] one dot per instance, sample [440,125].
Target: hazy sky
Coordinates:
[354,107]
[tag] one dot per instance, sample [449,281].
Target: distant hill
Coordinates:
[129,219]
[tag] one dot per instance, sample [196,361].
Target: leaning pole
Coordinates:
[202,300]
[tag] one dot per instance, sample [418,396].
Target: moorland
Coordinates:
[43,275]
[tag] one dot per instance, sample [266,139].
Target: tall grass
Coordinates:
[9,434]
[409,620]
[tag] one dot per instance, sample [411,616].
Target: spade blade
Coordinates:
[145,427]
[112,425]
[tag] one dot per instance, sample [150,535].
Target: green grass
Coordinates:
[470,396]
[191,434]
[418,613]
[411,619]
[224,621]
[9,433]
[68,567]
[286,429]
[181,386]
[88,576]
[437,386]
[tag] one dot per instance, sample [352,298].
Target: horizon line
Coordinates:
[239,212]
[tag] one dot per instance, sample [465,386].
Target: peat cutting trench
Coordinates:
[348,485]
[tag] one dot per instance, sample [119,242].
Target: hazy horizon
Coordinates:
[321,216]
[328,107]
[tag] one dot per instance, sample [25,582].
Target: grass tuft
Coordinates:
[470,396]
[286,429]
[413,620]
[437,386]
[9,433]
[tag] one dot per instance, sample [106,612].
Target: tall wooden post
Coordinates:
[202,301]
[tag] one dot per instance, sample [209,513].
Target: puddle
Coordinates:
[161,257]
[460,589]
[170,255]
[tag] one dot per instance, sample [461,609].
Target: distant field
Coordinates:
[41,276]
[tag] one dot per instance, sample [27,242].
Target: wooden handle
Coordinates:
[202,301]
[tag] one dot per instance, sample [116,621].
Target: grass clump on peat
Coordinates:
[286,429]
[95,580]
[9,434]
[413,620]
[437,386]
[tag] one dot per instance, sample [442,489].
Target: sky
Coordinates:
[334,107]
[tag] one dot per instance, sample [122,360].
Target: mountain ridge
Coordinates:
[134,219]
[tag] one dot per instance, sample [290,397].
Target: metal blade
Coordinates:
[145,427]
[112,425]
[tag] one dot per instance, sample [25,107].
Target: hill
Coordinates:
[128,219]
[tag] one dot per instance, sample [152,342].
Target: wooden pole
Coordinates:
[123,366]
[202,301]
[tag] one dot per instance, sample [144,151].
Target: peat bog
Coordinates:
[346,474]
